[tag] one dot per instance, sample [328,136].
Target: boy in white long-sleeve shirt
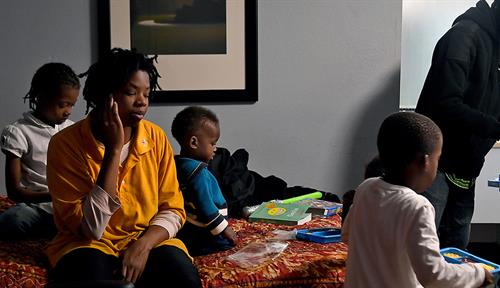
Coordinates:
[390,227]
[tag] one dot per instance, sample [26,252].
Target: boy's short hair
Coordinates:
[402,136]
[190,120]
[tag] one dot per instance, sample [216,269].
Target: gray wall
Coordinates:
[328,75]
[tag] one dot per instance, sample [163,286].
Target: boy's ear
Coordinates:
[193,142]
[424,161]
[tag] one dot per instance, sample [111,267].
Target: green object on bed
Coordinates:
[314,195]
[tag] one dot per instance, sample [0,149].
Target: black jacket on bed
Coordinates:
[243,187]
[461,92]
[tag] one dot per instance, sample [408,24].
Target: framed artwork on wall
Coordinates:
[207,49]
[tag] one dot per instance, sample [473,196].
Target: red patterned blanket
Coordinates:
[301,264]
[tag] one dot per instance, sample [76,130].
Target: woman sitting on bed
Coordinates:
[117,202]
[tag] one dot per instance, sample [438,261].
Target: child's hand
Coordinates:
[113,128]
[488,278]
[230,235]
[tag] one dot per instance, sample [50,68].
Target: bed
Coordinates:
[301,264]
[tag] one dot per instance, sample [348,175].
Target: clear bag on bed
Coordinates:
[284,234]
[257,253]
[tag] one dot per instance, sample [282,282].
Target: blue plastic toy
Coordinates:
[320,235]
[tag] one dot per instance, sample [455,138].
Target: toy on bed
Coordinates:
[459,256]
[302,263]
[320,235]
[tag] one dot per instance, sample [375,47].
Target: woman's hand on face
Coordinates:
[114,135]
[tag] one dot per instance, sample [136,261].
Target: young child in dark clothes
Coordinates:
[206,230]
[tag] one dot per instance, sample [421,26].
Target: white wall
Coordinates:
[488,198]
[424,22]
[328,75]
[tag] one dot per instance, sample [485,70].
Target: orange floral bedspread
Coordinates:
[301,264]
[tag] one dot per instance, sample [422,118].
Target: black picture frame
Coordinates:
[246,95]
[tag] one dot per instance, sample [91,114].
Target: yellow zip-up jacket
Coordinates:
[147,183]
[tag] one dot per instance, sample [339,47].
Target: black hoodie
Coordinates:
[461,92]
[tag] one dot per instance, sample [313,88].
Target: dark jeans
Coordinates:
[167,266]
[26,221]
[454,208]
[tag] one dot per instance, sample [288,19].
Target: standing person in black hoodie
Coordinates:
[461,94]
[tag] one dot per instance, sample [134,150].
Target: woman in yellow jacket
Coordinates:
[112,176]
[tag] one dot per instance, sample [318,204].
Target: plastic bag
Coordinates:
[257,253]
[284,234]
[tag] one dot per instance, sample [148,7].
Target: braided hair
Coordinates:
[47,81]
[113,71]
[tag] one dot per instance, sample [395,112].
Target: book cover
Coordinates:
[281,213]
[321,207]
